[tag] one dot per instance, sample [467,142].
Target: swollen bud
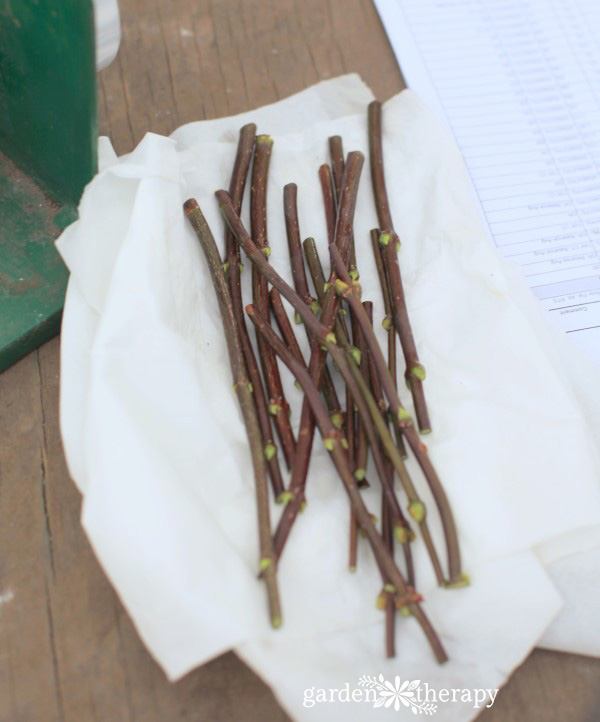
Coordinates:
[270,450]
[356,355]
[266,251]
[341,287]
[385,238]
[417,510]
[403,415]
[402,534]
[418,371]
[330,338]
[337,419]
[265,563]
[360,474]
[329,443]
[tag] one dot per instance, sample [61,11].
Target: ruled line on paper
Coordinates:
[518,84]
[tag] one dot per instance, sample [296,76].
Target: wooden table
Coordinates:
[68,651]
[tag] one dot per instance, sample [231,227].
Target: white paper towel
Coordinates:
[155,442]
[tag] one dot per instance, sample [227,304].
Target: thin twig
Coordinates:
[328,199]
[290,208]
[405,596]
[336,152]
[278,406]
[346,363]
[415,371]
[349,290]
[233,267]
[328,314]
[243,390]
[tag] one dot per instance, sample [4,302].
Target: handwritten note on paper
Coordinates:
[518,83]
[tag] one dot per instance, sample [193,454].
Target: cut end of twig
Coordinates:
[463,581]
[417,510]
[264,139]
[352,569]
[425,430]
[381,602]
[418,372]
[390,588]
[190,205]
[276,622]
[270,451]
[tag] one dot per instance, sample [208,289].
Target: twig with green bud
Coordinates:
[404,595]
[350,291]
[267,563]
[278,405]
[388,239]
[232,269]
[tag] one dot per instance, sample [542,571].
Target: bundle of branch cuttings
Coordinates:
[339,328]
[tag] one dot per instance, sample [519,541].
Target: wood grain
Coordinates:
[68,651]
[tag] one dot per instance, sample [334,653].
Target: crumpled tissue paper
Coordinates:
[155,442]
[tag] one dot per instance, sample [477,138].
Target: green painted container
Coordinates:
[48,136]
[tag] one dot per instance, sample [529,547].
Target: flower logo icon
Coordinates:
[397,694]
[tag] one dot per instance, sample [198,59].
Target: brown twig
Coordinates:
[278,406]
[243,390]
[348,289]
[415,371]
[328,199]
[233,274]
[346,363]
[328,314]
[405,596]
[362,443]
[290,209]
[388,320]
[336,152]
[284,325]
[403,532]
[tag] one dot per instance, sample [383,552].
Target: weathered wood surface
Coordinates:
[68,651]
